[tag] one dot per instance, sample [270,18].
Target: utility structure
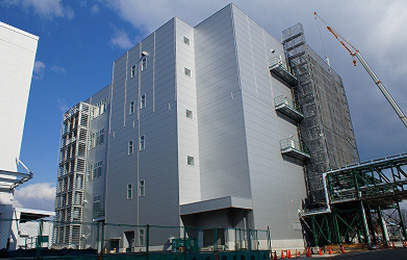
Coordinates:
[360,200]
[355,53]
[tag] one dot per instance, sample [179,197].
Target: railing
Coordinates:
[277,62]
[291,143]
[108,238]
[284,100]
[97,213]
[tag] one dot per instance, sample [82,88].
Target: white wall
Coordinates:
[277,186]
[187,128]
[223,157]
[157,164]
[17,54]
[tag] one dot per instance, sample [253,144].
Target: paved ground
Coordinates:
[385,254]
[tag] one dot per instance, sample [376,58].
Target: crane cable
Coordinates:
[322,41]
[347,45]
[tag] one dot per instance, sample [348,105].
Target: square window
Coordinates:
[133,71]
[189,114]
[129,191]
[187,72]
[190,160]
[187,41]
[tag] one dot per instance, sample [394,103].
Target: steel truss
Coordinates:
[362,204]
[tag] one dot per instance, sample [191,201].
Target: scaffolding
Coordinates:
[71,175]
[326,128]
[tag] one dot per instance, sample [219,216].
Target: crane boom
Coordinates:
[355,53]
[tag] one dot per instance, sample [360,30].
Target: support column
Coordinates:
[402,224]
[383,225]
[336,227]
[370,219]
[328,229]
[314,231]
[364,223]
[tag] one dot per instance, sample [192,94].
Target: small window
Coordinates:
[130,147]
[142,143]
[187,41]
[143,101]
[144,64]
[141,237]
[187,72]
[190,160]
[129,191]
[133,71]
[99,169]
[96,202]
[188,114]
[142,188]
[131,108]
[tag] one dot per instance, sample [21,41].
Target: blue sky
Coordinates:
[79,41]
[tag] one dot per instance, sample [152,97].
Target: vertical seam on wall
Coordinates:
[107,157]
[136,143]
[176,115]
[154,71]
[251,52]
[236,50]
[111,97]
[125,89]
[241,95]
[175,58]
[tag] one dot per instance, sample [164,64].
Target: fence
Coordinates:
[108,238]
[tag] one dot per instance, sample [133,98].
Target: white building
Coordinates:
[197,128]
[17,54]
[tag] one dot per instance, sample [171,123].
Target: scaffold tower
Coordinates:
[71,175]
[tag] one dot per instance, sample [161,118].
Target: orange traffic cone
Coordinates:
[320,251]
[297,253]
[393,245]
[405,243]
[309,252]
[342,249]
[288,253]
[330,250]
[282,254]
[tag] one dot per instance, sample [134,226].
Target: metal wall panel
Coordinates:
[277,186]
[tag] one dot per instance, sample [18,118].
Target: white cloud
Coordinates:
[39,68]
[63,107]
[94,9]
[45,8]
[121,40]
[36,196]
[58,69]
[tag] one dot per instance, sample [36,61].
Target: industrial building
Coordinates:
[17,54]
[216,125]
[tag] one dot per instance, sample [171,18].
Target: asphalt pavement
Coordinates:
[382,254]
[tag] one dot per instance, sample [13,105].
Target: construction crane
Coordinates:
[355,53]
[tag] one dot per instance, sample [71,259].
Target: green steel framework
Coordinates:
[361,201]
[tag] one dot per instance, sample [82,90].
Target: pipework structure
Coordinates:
[362,199]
